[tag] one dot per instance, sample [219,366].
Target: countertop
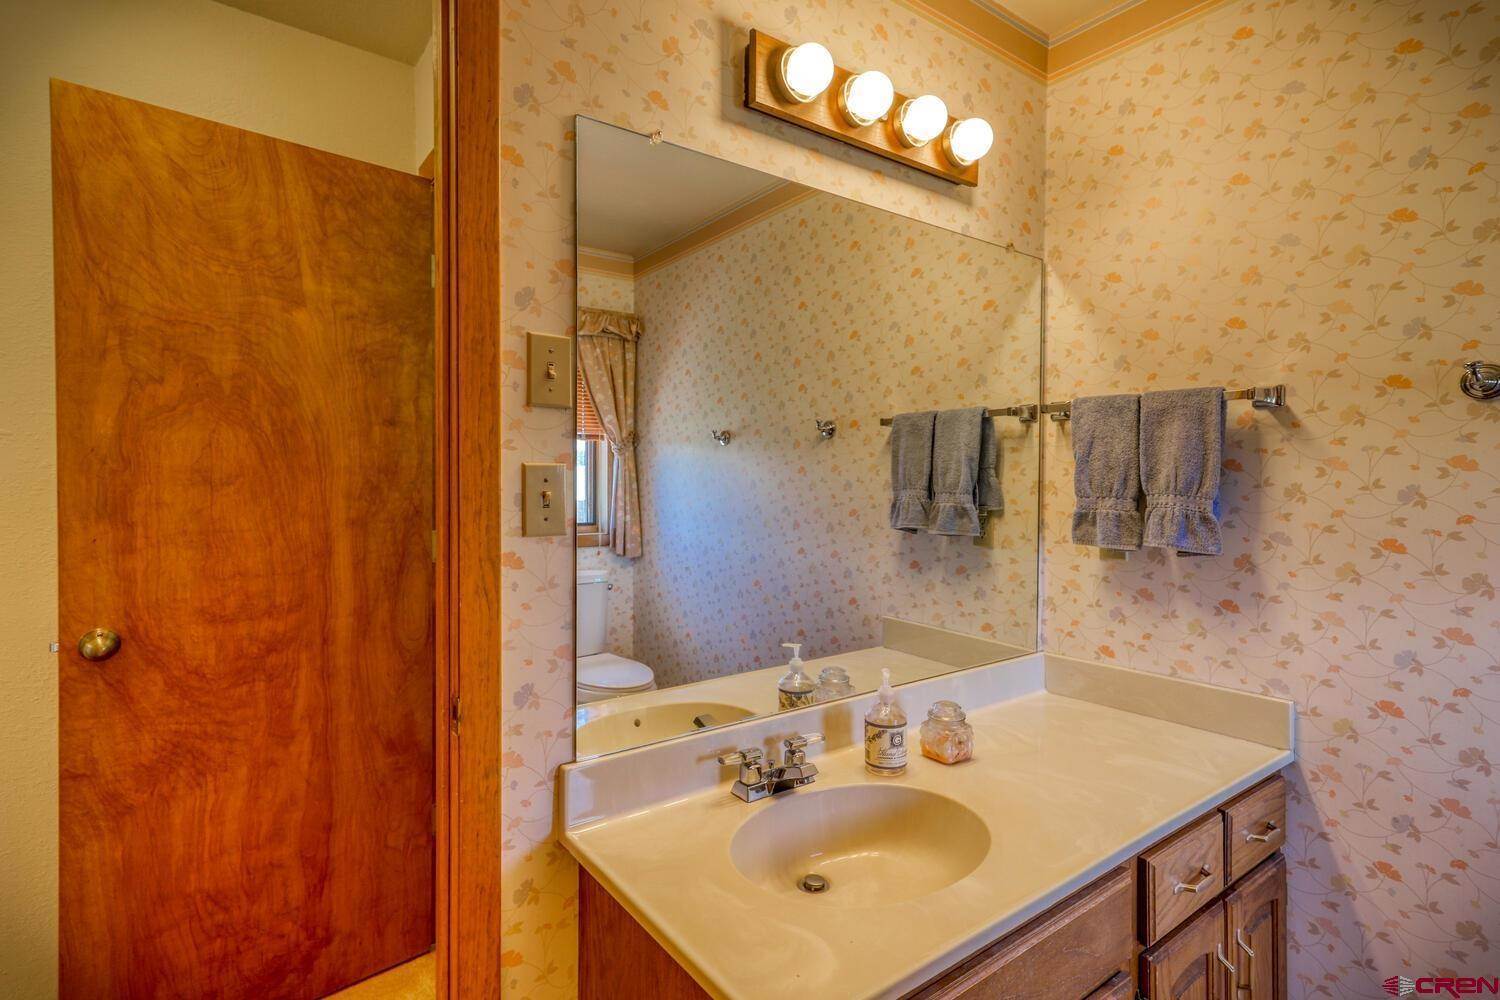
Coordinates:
[1069,789]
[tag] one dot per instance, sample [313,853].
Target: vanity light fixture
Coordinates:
[866,97]
[921,120]
[800,83]
[968,140]
[806,71]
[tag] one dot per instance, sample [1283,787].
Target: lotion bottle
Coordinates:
[885,732]
[795,689]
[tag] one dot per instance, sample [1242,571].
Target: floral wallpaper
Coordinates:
[1306,192]
[660,64]
[826,309]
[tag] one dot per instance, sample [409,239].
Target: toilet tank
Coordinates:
[593,611]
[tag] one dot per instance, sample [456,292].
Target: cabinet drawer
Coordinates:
[1181,875]
[1255,825]
[1121,987]
[1062,955]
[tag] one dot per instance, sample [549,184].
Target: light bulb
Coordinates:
[968,140]
[866,97]
[921,120]
[806,71]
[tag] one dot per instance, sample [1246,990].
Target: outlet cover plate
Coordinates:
[544,499]
[549,370]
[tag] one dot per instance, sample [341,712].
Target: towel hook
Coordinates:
[827,428]
[1480,380]
[723,437]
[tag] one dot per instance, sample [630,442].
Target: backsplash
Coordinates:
[853,313]
[657,65]
[1306,192]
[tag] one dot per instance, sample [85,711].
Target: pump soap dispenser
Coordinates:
[795,689]
[885,732]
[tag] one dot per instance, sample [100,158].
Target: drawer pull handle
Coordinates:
[1205,876]
[1224,960]
[1239,939]
[1262,838]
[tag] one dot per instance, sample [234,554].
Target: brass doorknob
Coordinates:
[99,644]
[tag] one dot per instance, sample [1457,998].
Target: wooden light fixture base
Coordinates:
[763,93]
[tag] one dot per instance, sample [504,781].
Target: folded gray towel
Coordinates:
[991,500]
[1106,471]
[1182,448]
[911,470]
[956,436]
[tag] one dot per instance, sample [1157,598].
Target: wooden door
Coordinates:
[245,480]
[1256,933]
[1186,966]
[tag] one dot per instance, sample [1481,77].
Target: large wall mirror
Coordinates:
[740,339]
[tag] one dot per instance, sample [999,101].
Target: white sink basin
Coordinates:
[871,844]
[601,730]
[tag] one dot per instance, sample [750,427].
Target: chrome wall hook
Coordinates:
[723,437]
[827,428]
[1480,380]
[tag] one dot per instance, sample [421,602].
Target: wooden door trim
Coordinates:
[467,278]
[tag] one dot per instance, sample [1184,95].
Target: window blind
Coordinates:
[589,427]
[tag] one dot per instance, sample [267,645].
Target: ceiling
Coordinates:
[634,197]
[396,29]
[1056,18]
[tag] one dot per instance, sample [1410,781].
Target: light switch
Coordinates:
[549,370]
[544,499]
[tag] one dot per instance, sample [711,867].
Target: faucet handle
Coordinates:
[746,755]
[802,741]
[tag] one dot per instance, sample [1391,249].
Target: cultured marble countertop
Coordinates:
[1069,789]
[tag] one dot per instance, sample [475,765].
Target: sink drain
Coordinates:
[813,883]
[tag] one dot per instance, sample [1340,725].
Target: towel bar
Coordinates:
[1262,397]
[1026,412]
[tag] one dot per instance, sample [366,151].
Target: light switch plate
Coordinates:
[549,370]
[544,499]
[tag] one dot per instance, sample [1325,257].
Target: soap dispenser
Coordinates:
[795,689]
[885,732]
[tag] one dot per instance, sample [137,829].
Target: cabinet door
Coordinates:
[1187,965]
[1256,926]
[1120,987]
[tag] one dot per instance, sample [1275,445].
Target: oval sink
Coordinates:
[609,731]
[869,844]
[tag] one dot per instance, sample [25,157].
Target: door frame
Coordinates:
[466,175]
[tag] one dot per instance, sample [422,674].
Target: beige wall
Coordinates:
[1307,192]
[829,309]
[664,65]
[192,56]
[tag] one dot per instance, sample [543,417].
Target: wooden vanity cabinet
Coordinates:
[1186,966]
[1255,933]
[1224,941]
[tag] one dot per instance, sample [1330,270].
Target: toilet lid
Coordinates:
[606,671]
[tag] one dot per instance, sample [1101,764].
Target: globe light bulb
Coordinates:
[968,140]
[866,97]
[806,71]
[921,120]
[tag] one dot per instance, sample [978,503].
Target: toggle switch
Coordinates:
[542,512]
[549,370]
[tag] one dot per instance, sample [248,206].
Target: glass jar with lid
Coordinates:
[946,737]
[833,683]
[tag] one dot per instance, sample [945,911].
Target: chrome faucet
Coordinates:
[759,778]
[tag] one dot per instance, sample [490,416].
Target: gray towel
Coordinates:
[991,500]
[956,436]
[1182,448]
[911,470]
[1106,471]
